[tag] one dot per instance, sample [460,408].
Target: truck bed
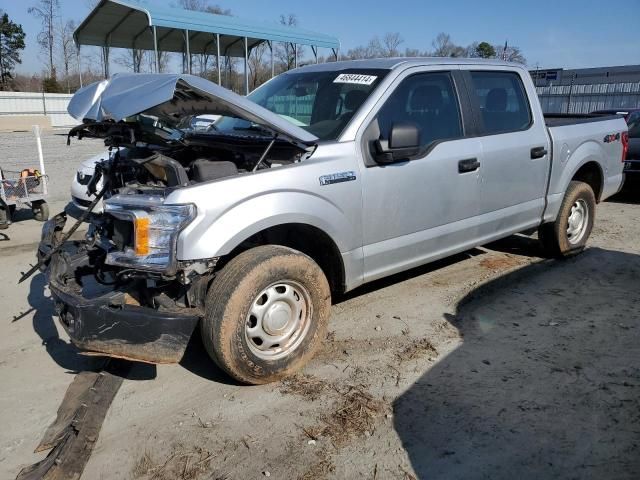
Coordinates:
[563,119]
[575,138]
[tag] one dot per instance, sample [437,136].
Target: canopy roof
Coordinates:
[127,24]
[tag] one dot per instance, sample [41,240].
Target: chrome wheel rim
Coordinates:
[278,320]
[577,221]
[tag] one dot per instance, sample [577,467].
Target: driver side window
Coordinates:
[427,100]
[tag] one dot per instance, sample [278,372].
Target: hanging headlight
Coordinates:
[146,231]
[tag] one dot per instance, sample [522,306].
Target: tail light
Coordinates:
[625,145]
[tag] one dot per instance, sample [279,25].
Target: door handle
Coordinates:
[538,152]
[468,165]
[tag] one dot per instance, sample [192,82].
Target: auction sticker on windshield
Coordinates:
[355,78]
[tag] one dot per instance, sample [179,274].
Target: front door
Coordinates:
[424,207]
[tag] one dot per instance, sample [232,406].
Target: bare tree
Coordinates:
[48,12]
[67,49]
[413,52]
[258,70]
[511,54]
[202,6]
[289,54]
[150,59]
[390,43]
[132,59]
[372,49]
[443,46]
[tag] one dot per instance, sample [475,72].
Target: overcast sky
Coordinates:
[560,33]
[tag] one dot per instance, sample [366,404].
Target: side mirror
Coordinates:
[403,143]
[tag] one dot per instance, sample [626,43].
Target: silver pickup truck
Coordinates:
[325,178]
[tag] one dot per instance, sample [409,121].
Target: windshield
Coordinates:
[320,102]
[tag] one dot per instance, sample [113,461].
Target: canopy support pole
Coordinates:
[295,55]
[218,59]
[105,59]
[186,41]
[155,48]
[246,66]
[79,65]
[335,52]
[315,52]
[271,50]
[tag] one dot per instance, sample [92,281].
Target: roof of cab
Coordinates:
[395,62]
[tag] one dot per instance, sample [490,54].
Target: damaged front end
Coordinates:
[120,292]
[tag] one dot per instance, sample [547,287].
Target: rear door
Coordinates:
[515,146]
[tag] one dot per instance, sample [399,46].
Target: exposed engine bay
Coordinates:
[130,249]
[151,156]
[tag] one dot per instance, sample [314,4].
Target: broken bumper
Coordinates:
[109,322]
[109,326]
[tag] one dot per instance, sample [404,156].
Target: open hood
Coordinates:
[170,97]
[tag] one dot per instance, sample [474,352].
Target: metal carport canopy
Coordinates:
[128,24]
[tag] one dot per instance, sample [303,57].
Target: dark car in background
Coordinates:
[632,117]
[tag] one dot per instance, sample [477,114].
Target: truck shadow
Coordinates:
[546,382]
[518,244]
[406,275]
[630,192]
[64,353]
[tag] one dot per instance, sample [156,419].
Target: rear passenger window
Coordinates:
[503,101]
[427,100]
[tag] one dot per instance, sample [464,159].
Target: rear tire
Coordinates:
[40,210]
[568,235]
[266,314]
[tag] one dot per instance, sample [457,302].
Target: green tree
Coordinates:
[485,50]
[51,85]
[11,44]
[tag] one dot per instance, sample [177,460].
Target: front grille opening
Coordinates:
[122,235]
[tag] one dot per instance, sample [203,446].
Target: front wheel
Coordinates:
[266,314]
[568,235]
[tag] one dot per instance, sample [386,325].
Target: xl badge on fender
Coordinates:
[337,178]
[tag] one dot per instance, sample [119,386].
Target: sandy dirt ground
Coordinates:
[495,363]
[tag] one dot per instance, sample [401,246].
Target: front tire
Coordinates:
[568,235]
[266,314]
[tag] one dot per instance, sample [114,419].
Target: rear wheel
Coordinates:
[568,235]
[266,314]
[40,210]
